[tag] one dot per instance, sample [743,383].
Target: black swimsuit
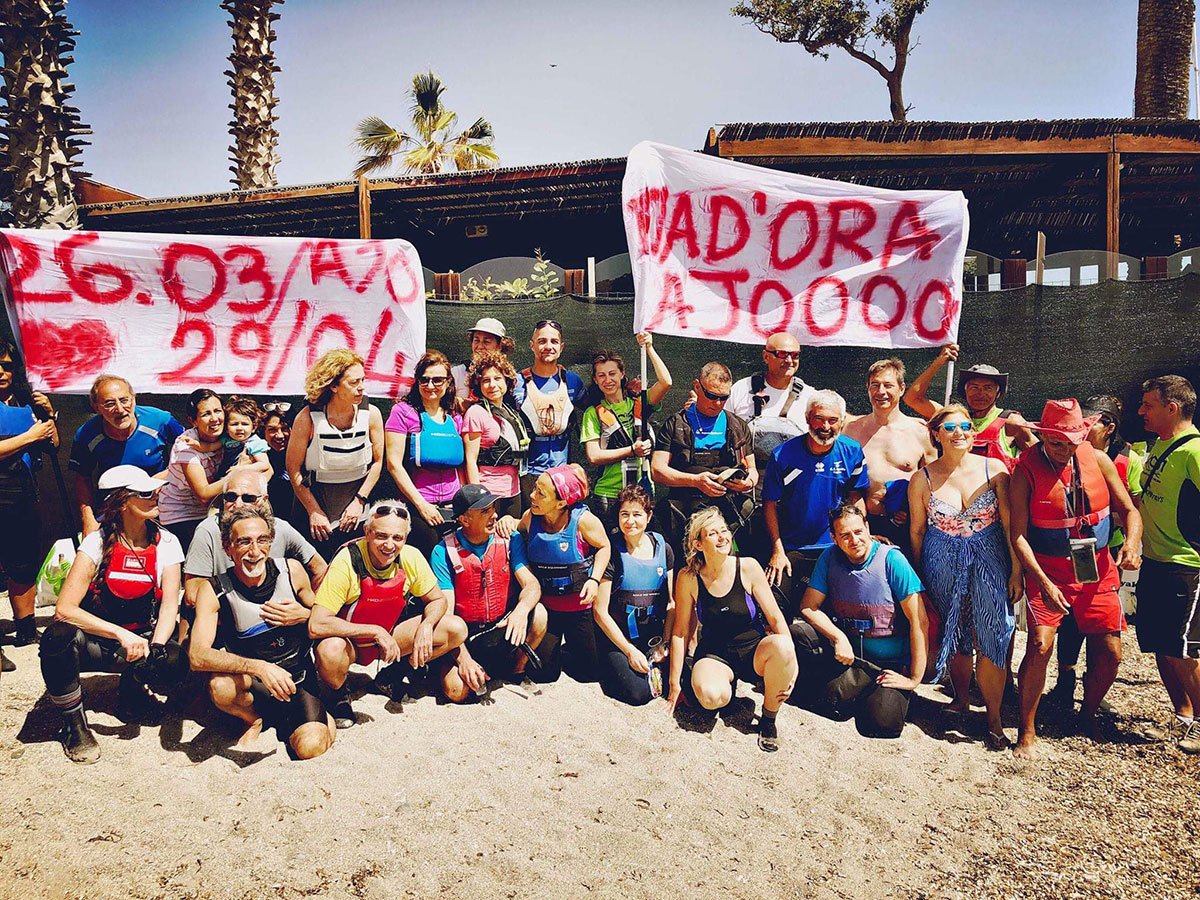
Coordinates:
[730,626]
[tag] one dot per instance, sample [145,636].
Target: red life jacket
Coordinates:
[128,592]
[480,585]
[990,443]
[1121,461]
[381,601]
[1056,513]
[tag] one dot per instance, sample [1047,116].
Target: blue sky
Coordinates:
[150,82]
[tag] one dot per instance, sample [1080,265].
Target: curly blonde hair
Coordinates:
[325,374]
[693,556]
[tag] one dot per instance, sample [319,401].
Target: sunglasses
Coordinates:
[785,354]
[8,366]
[276,407]
[232,497]
[433,380]
[951,427]
[144,495]
[715,398]
[388,509]
[550,322]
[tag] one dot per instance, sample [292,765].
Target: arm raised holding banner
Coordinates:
[917,394]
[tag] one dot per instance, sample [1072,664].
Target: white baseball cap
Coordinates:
[489,325]
[129,477]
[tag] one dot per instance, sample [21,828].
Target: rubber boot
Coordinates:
[26,632]
[134,701]
[78,741]
[6,664]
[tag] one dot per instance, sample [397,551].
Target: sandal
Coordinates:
[997,740]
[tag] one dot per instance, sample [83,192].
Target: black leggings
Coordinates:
[572,646]
[66,651]
[827,685]
[617,678]
[791,588]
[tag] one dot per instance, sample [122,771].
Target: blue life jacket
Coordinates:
[641,593]
[436,444]
[15,420]
[555,558]
[860,602]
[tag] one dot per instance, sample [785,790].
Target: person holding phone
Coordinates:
[1062,496]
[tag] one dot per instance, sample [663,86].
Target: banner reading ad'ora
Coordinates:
[735,252]
[237,314]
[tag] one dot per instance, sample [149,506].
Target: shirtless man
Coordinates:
[894,446]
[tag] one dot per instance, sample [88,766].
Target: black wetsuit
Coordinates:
[731,626]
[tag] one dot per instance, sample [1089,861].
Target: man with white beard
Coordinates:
[260,606]
[808,477]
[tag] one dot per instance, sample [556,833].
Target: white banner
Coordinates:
[240,314]
[725,250]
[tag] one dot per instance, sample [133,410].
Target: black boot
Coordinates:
[135,703]
[78,741]
[26,632]
[6,664]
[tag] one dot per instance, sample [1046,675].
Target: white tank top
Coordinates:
[335,456]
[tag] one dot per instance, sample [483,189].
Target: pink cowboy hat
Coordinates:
[1064,419]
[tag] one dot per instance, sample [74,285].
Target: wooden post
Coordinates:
[1039,269]
[1012,273]
[591,276]
[1113,214]
[364,208]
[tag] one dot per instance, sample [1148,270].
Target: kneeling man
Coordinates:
[366,609]
[260,606]
[479,572]
[862,626]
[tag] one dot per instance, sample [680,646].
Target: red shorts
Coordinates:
[1096,607]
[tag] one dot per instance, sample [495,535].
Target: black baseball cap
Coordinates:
[472,496]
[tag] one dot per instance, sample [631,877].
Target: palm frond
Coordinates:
[427,95]
[375,136]
[481,129]
[371,163]
[425,159]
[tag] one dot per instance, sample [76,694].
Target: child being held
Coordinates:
[243,446]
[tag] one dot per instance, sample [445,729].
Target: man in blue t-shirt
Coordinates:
[862,636]
[121,433]
[808,477]
[549,396]
[479,578]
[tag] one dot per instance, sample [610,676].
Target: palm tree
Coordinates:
[42,130]
[253,81]
[1164,43]
[431,147]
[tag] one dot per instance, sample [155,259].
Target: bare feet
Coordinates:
[1025,748]
[250,735]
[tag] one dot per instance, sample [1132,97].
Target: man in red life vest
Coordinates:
[1062,498]
[999,433]
[366,609]
[480,572]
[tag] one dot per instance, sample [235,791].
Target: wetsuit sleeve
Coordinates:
[339,586]
[201,555]
[589,426]
[903,581]
[819,581]
[773,479]
[418,576]
[439,561]
[517,557]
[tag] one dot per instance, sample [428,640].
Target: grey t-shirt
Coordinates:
[206,557]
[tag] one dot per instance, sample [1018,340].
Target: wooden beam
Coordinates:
[1040,263]
[1154,143]
[814,146]
[1112,208]
[364,208]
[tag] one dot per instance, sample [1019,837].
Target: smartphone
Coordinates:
[1083,558]
[738,474]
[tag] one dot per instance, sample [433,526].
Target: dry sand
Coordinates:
[569,794]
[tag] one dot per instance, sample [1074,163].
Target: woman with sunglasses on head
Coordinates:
[611,427]
[338,440]
[568,551]
[743,633]
[26,427]
[496,437]
[959,522]
[116,611]
[275,429]
[193,481]
[425,450]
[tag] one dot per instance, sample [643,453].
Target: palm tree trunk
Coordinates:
[1164,42]
[253,81]
[42,130]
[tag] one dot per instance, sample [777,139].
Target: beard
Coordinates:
[255,569]
[824,436]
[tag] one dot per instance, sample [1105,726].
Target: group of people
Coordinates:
[760,533]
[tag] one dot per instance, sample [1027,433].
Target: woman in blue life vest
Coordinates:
[425,450]
[611,427]
[568,551]
[335,452]
[496,437]
[635,610]
[117,610]
[26,426]
[743,634]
